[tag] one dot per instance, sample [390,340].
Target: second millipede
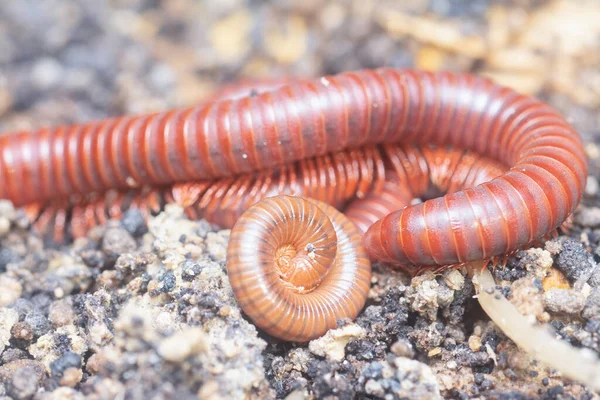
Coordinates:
[536,183]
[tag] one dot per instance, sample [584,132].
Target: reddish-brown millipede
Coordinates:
[297,266]
[541,186]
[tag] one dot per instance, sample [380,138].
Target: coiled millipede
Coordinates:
[355,140]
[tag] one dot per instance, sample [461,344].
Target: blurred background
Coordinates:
[74,60]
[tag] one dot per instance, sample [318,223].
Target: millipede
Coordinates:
[497,171]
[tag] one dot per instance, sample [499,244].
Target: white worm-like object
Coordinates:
[580,365]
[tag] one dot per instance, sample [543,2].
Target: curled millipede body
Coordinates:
[298,121]
[365,141]
[296,266]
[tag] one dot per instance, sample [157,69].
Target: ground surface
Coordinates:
[142,311]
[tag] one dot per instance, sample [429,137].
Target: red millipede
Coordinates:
[298,137]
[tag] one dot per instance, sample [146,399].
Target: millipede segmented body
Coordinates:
[297,266]
[368,141]
[366,183]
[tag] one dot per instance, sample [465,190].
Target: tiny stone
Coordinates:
[24,383]
[512,375]
[417,380]
[588,217]
[133,221]
[209,390]
[445,295]
[374,388]
[13,354]
[225,311]
[178,347]
[518,360]
[8,318]
[454,279]
[38,322]
[564,301]
[7,256]
[7,210]
[22,331]
[189,270]
[553,246]
[167,282]
[67,361]
[117,241]
[474,342]
[591,310]
[479,378]
[434,352]
[594,280]
[574,261]
[487,384]
[555,280]
[216,244]
[555,391]
[162,77]
[46,73]
[403,348]
[35,368]
[71,377]
[61,313]
[4,226]
[332,344]
[545,381]
[23,307]
[591,186]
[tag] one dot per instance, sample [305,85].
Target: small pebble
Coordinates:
[454,279]
[35,368]
[8,318]
[591,310]
[39,323]
[23,384]
[11,290]
[4,226]
[7,256]
[216,244]
[13,354]
[7,210]
[434,352]
[555,280]
[117,241]
[594,280]
[46,73]
[574,261]
[178,347]
[190,270]
[133,221]
[474,343]
[588,217]
[564,301]
[332,344]
[403,348]
[22,331]
[591,186]
[68,360]
[71,377]
[417,380]
[545,381]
